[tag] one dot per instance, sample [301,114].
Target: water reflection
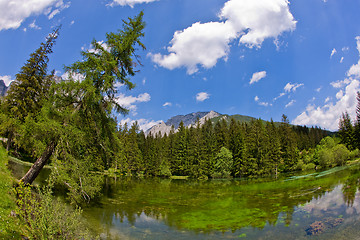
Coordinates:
[255,209]
[209,209]
[18,170]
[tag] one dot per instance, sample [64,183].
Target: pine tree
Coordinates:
[180,164]
[29,91]
[31,86]
[209,148]
[356,143]
[132,151]
[274,150]
[236,146]
[289,149]
[346,131]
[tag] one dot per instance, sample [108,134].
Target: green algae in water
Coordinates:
[180,209]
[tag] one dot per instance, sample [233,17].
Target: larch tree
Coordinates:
[76,125]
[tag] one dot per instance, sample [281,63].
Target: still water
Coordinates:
[322,205]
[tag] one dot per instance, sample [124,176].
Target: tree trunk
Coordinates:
[39,164]
[8,142]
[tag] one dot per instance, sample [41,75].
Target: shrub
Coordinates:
[48,218]
[341,154]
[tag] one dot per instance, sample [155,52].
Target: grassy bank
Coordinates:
[10,227]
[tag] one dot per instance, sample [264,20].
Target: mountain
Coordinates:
[188,120]
[3,88]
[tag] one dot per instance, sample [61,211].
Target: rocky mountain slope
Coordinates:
[188,120]
[3,88]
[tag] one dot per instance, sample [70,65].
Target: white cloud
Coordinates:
[342,59]
[327,116]
[202,43]
[130,3]
[130,101]
[250,21]
[167,104]
[289,87]
[265,104]
[73,76]
[355,69]
[34,26]
[318,89]
[144,81]
[290,103]
[256,20]
[257,77]
[144,124]
[345,49]
[72,22]
[7,79]
[13,13]
[280,95]
[327,99]
[202,96]
[292,87]
[332,52]
[92,48]
[339,94]
[340,84]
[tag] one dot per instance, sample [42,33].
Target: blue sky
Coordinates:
[261,58]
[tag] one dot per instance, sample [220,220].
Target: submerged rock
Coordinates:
[316,228]
[319,227]
[333,222]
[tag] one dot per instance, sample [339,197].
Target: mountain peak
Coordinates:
[3,88]
[188,120]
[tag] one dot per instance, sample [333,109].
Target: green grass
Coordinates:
[10,227]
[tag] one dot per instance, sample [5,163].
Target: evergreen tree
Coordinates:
[77,122]
[221,134]
[274,147]
[180,165]
[209,147]
[357,124]
[132,151]
[236,146]
[289,149]
[30,89]
[346,131]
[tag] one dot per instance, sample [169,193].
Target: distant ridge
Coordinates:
[188,120]
[3,88]
[191,120]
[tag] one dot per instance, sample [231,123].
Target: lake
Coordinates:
[318,205]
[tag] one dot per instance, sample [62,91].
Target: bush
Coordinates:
[341,154]
[326,158]
[309,166]
[354,154]
[48,218]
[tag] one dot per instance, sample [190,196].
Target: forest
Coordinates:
[219,149]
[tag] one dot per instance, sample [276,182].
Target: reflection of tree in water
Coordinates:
[350,187]
[218,205]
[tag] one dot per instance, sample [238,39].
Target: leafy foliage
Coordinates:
[48,218]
